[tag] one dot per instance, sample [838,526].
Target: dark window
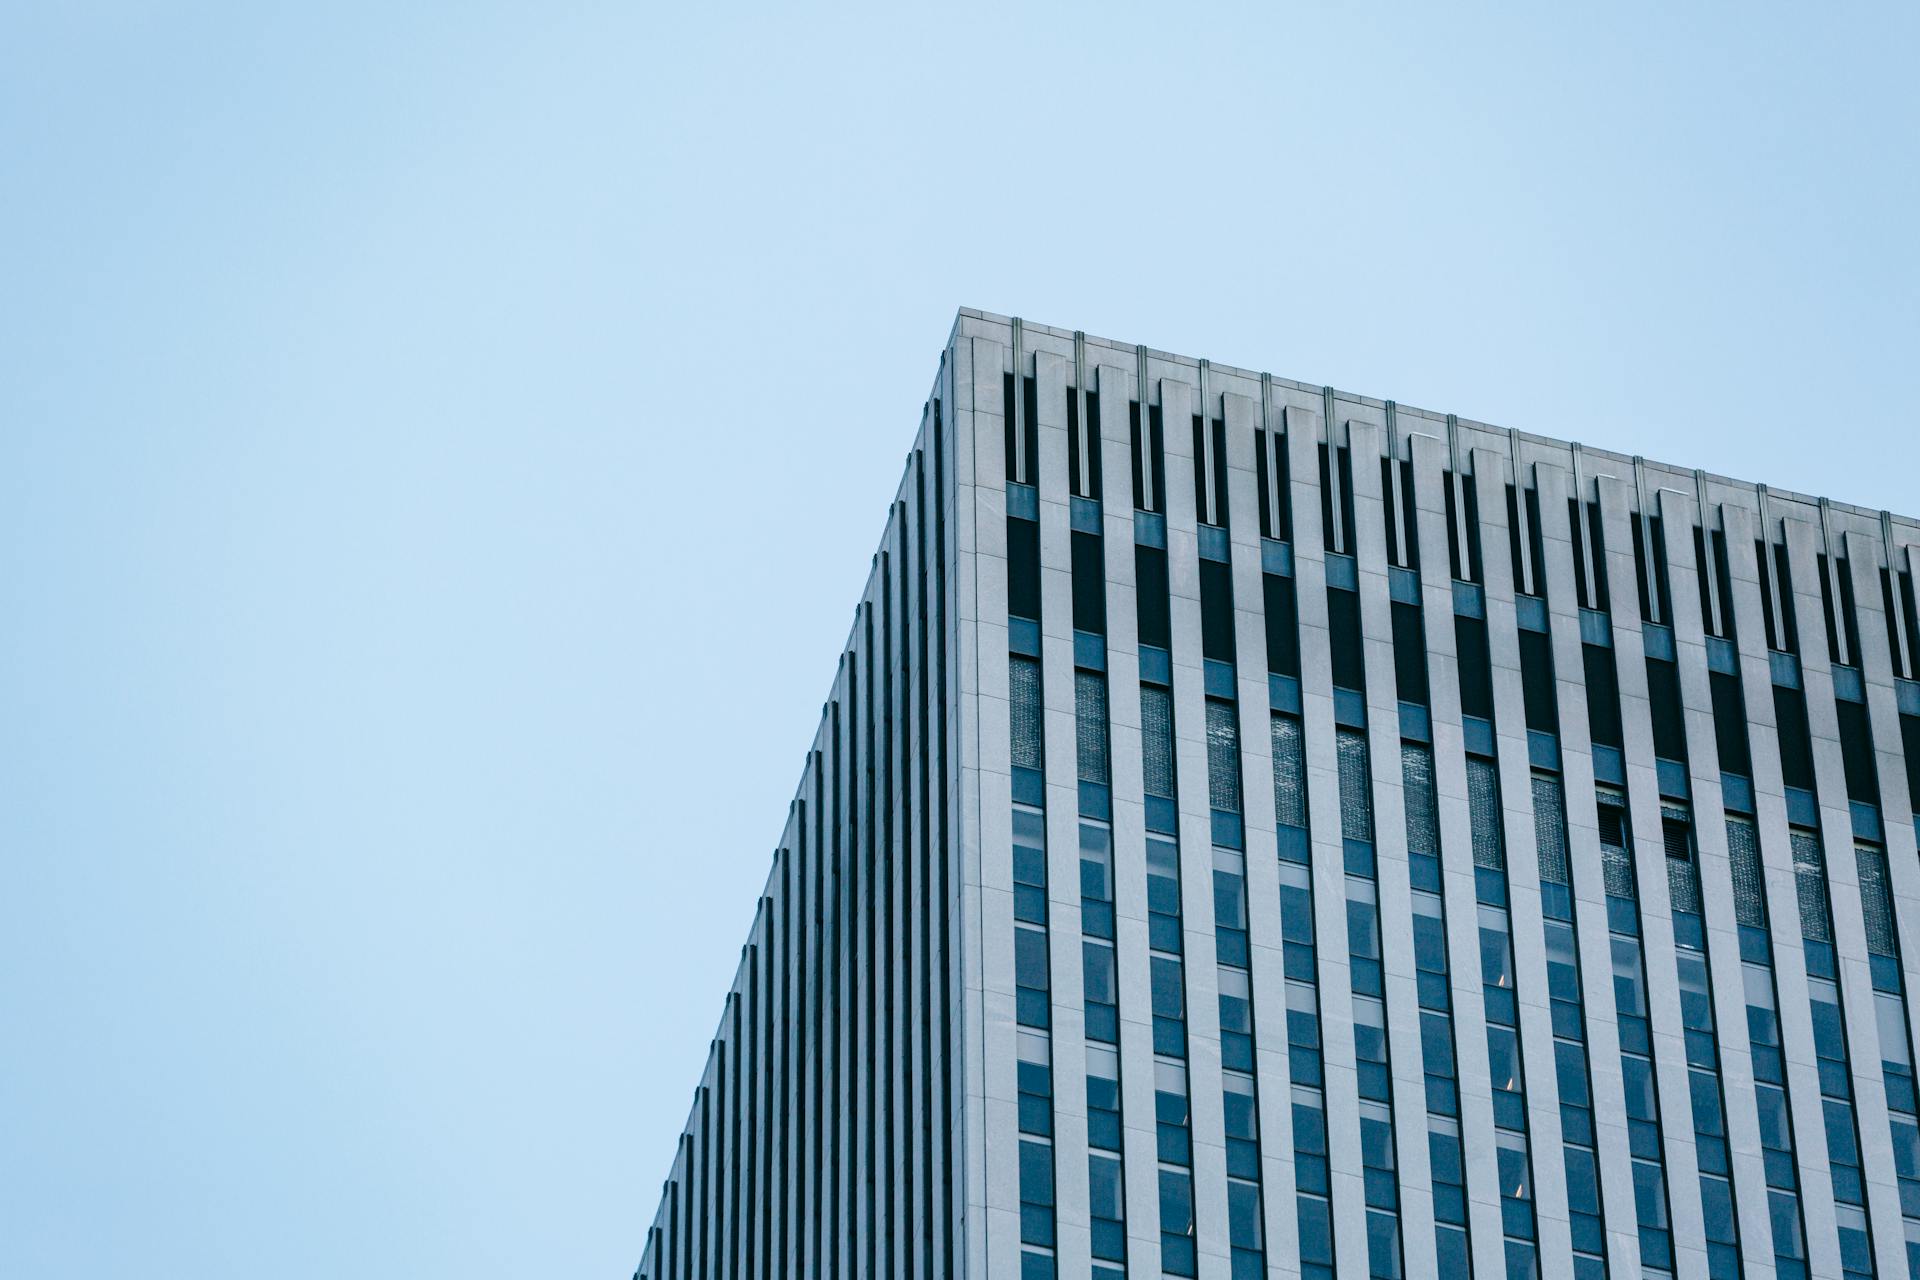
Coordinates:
[1343,623]
[1515,551]
[1840,616]
[1723,574]
[1216,611]
[1767,589]
[1650,571]
[1536,682]
[1910,739]
[1283,630]
[1023,568]
[1704,566]
[1216,511]
[1150,595]
[1090,489]
[1467,569]
[1029,442]
[1730,724]
[1587,534]
[1603,696]
[1663,692]
[1889,613]
[1030,403]
[1094,458]
[1276,520]
[1911,608]
[1089,584]
[1203,510]
[1400,515]
[1453,524]
[1777,584]
[1149,491]
[1796,742]
[1336,485]
[1476,667]
[1849,613]
[1140,495]
[1409,654]
[1856,753]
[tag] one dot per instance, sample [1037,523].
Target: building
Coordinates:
[1258,830]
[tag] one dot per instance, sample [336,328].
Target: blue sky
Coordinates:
[440,447]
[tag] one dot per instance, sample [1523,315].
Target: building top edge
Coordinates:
[1436,418]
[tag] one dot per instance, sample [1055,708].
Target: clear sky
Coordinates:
[440,446]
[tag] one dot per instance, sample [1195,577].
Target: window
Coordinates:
[1176,1223]
[1289,773]
[1090,722]
[1236,1020]
[1030,976]
[1103,1098]
[1169,1008]
[1107,1207]
[1102,992]
[1356,804]
[1096,880]
[1223,756]
[1036,1096]
[1023,681]
[1036,1193]
[1156,739]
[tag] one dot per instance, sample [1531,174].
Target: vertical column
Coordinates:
[1329,865]
[1196,838]
[1782,891]
[1272,1076]
[1068,1031]
[1430,461]
[1589,893]
[1138,1130]
[983,848]
[1883,711]
[1656,917]
[1716,884]
[1545,1140]
[1843,899]
[1391,870]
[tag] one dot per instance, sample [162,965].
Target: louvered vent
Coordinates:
[1550,829]
[1676,831]
[1356,803]
[1289,773]
[1023,684]
[1156,740]
[1223,757]
[1616,857]
[1090,725]
[1483,809]
[1749,876]
[1683,885]
[1876,905]
[1810,879]
[1423,817]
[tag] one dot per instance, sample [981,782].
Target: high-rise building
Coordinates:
[1258,830]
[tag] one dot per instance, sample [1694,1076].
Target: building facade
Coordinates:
[1257,830]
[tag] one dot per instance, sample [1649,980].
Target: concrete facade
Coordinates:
[1257,830]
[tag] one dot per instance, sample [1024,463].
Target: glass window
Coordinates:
[1356,804]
